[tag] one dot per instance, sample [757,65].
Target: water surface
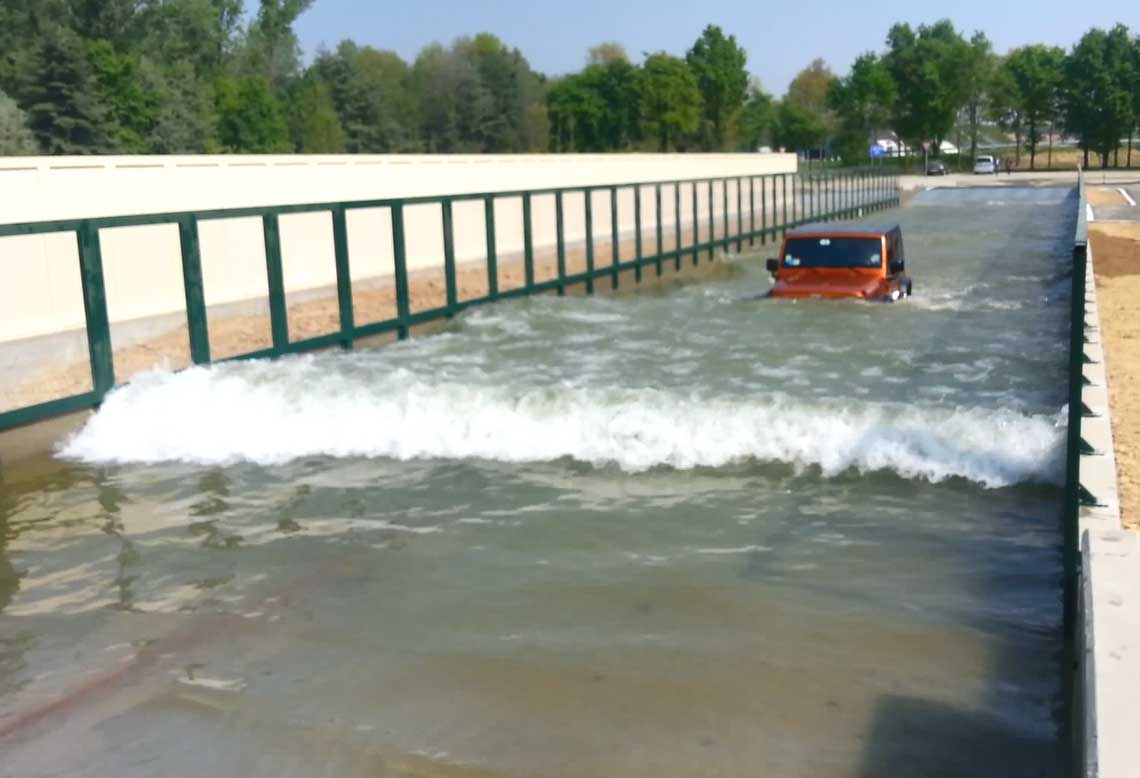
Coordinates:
[692,533]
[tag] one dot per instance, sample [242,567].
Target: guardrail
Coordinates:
[775,203]
[1075,494]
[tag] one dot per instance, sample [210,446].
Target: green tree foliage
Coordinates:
[188,76]
[132,110]
[980,66]
[370,91]
[754,125]
[1036,72]
[15,136]
[798,128]
[605,53]
[62,99]
[314,126]
[1098,95]
[929,68]
[670,100]
[597,109]
[719,65]
[250,117]
[271,48]
[862,102]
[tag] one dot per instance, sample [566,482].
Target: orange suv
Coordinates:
[865,261]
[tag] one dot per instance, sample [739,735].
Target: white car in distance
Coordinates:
[985,165]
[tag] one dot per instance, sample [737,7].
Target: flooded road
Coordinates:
[688,534]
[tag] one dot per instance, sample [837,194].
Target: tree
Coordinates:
[250,117]
[980,65]
[670,100]
[606,52]
[185,122]
[929,68]
[15,137]
[271,46]
[61,97]
[1098,100]
[1036,72]
[798,128]
[314,126]
[511,88]
[1004,105]
[756,118]
[809,89]
[131,108]
[597,109]
[370,91]
[862,102]
[719,65]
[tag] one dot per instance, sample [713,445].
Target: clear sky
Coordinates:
[780,37]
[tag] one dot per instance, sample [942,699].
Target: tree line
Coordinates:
[931,82]
[195,76]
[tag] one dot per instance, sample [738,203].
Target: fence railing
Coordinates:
[765,207]
[1075,445]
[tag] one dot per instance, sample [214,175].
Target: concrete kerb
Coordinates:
[1106,704]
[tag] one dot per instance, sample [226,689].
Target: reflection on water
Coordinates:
[676,535]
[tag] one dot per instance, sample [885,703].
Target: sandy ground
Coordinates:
[1116,258]
[1105,197]
[372,302]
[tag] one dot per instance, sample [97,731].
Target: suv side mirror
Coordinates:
[773,265]
[896,266]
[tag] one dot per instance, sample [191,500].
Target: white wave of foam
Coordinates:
[274,412]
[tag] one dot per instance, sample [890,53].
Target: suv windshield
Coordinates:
[833,252]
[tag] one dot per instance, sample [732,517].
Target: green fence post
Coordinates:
[278,314]
[739,217]
[677,224]
[615,238]
[588,194]
[343,276]
[784,204]
[724,216]
[795,201]
[399,255]
[752,210]
[660,231]
[528,242]
[696,223]
[763,211]
[95,309]
[637,224]
[492,257]
[192,286]
[814,194]
[559,228]
[449,255]
[712,221]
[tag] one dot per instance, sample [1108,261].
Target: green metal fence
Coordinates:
[834,194]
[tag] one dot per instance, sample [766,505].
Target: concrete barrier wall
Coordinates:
[41,294]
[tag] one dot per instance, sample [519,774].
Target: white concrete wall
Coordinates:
[41,293]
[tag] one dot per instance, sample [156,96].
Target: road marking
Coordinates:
[1089,213]
[1127,196]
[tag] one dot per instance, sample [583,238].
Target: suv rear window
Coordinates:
[833,252]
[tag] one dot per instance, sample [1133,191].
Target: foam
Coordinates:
[274,412]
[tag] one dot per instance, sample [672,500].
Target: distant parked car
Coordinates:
[935,168]
[985,165]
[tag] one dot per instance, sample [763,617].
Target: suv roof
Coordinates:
[850,228]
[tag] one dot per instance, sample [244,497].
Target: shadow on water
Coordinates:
[910,735]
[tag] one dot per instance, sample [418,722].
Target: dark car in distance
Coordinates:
[935,168]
